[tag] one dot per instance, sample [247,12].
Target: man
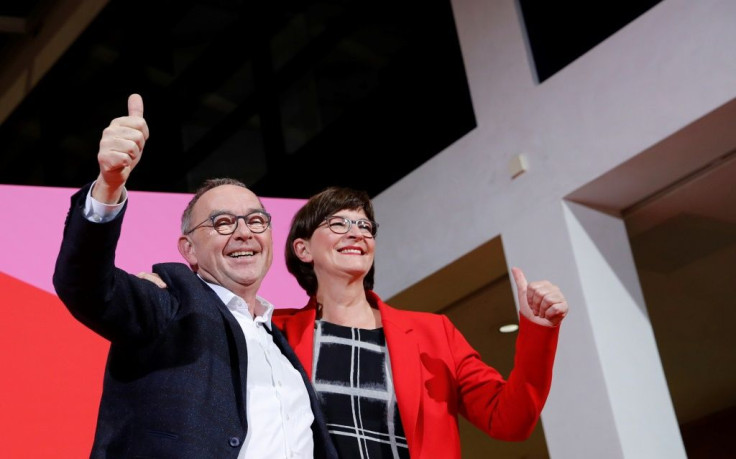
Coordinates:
[195,370]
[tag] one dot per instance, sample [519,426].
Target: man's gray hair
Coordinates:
[206,186]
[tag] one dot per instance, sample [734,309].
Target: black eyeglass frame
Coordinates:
[350,223]
[237,218]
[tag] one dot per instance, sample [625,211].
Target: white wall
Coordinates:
[671,66]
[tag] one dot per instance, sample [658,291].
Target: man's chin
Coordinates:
[248,279]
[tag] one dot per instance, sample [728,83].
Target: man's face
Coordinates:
[238,261]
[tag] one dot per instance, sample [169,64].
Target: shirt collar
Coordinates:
[263,308]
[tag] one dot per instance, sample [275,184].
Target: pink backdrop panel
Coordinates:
[33,221]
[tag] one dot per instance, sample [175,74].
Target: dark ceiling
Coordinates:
[288,96]
[560,32]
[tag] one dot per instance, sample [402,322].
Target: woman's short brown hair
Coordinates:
[310,216]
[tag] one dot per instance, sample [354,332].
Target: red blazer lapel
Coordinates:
[299,330]
[406,369]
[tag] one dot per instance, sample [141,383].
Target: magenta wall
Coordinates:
[51,365]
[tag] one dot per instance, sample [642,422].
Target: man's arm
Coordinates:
[102,297]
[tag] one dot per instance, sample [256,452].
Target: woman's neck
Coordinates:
[347,305]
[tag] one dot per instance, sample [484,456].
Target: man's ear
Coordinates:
[302,251]
[186,249]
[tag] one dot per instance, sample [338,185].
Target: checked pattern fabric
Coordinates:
[352,376]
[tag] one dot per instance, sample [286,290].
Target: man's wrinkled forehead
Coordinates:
[228,198]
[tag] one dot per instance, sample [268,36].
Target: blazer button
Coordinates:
[234,441]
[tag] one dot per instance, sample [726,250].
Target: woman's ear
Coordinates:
[186,249]
[302,251]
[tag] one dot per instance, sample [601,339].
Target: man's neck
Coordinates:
[248,295]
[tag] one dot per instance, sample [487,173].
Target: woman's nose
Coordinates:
[354,231]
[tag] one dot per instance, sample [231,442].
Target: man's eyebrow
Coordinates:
[216,212]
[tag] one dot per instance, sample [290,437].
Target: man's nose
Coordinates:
[242,230]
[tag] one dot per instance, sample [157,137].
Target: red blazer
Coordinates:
[438,375]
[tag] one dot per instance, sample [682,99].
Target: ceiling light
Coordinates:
[508,328]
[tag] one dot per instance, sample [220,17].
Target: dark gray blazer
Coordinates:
[174,384]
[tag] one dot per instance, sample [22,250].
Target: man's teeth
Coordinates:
[249,253]
[351,251]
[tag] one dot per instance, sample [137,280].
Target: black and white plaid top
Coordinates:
[352,376]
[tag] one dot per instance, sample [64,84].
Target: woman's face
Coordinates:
[338,256]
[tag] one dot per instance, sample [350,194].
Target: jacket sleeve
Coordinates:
[505,409]
[111,302]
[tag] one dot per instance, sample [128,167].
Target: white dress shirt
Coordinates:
[277,403]
[279,414]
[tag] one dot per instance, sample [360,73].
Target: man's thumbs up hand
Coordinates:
[121,147]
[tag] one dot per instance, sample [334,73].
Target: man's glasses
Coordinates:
[226,223]
[341,225]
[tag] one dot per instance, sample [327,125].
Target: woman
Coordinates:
[392,382]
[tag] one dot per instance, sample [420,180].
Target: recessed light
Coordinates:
[508,328]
